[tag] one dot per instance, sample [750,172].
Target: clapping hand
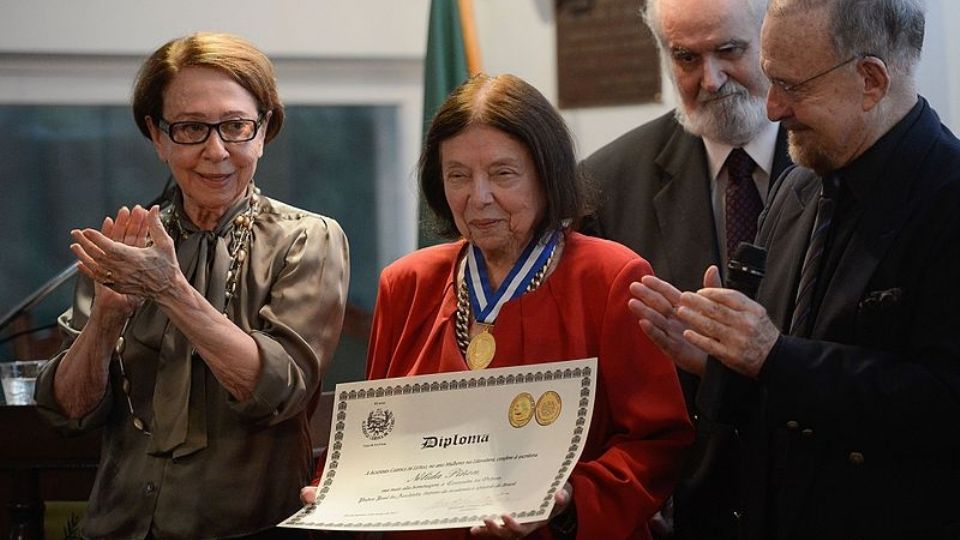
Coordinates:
[131,258]
[655,303]
[727,325]
[688,326]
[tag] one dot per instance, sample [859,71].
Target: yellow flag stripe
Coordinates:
[470,45]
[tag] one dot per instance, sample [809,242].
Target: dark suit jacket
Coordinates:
[655,189]
[655,186]
[856,427]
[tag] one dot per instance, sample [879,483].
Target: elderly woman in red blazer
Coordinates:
[520,286]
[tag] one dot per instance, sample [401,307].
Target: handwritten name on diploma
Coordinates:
[438,475]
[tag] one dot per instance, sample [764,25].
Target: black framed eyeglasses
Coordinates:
[792,89]
[193,132]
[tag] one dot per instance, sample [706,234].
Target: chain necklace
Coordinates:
[462,324]
[238,249]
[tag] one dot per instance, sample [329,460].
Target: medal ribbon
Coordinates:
[485,302]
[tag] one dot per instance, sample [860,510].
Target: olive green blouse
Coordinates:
[255,454]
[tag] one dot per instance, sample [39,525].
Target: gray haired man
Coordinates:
[850,355]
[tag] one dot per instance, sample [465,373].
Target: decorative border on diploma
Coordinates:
[461,382]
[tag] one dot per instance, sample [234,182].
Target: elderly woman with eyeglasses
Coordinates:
[519,286]
[200,331]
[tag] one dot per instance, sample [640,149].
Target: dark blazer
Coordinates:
[856,426]
[655,186]
[655,198]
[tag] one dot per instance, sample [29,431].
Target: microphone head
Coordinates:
[750,258]
[746,268]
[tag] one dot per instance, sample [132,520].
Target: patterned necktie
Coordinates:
[742,201]
[802,311]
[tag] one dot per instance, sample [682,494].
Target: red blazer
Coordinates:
[639,431]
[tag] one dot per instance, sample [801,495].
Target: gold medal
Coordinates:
[521,410]
[481,349]
[548,408]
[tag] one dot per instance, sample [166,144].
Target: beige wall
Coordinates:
[300,28]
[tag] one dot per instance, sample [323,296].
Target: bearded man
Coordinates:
[684,189]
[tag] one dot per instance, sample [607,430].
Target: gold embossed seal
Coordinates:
[548,408]
[521,410]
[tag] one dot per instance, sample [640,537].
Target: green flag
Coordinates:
[445,67]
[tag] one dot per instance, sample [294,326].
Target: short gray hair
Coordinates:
[889,29]
[651,16]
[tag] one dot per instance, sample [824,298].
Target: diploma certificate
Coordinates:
[444,451]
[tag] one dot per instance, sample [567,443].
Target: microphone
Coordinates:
[745,271]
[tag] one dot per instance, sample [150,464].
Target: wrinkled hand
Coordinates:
[117,230]
[130,259]
[510,529]
[728,325]
[655,303]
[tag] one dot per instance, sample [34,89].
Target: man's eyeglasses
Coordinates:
[793,89]
[191,132]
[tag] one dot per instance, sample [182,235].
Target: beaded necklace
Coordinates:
[238,249]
